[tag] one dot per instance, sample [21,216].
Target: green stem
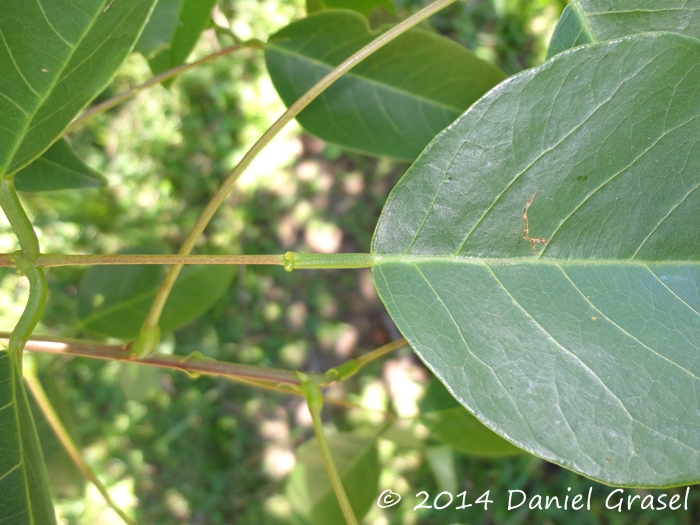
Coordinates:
[69,445]
[151,322]
[326,261]
[19,221]
[350,367]
[26,264]
[38,291]
[51,260]
[121,97]
[314,398]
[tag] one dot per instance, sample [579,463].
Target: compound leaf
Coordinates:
[584,351]
[59,168]
[55,57]
[391,104]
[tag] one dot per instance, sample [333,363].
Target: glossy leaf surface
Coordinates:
[114,300]
[24,486]
[309,488]
[59,168]
[391,104]
[588,353]
[43,87]
[586,21]
[452,424]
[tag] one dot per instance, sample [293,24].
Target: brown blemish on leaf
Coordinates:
[534,241]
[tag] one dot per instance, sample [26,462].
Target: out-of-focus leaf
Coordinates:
[79,46]
[570,32]
[159,30]
[65,477]
[173,31]
[586,21]
[585,353]
[309,488]
[391,104]
[453,424]
[364,7]
[442,463]
[114,300]
[59,168]
[24,485]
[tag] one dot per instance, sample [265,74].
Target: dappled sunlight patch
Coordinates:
[405,381]
[323,237]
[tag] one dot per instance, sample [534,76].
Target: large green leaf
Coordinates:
[24,489]
[55,57]
[586,21]
[310,491]
[115,300]
[586,354]
[59,168]
[449,422]
[172,32]
[394,102]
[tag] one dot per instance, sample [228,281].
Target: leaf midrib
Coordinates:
[378,258]
[350,74]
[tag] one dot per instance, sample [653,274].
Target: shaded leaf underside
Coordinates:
[589,353]
[24,495]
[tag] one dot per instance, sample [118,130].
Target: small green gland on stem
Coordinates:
[148,341]
[313,394]
[343,371]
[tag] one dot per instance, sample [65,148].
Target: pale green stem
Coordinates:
[25,263]
[19,221]
[314,398]
[350,367]
[326,261]
[67,442]
[166,75]
[49,260]
[150,326]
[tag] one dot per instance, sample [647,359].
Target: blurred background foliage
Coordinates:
[175,449]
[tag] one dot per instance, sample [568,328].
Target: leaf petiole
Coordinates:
[314,398]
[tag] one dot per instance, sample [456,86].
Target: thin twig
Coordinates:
[188,364]
[97,350]
[121,97]
[64,437]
